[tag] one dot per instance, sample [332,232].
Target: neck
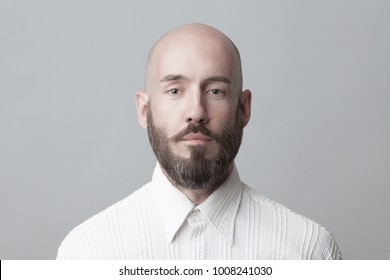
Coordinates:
[199,195]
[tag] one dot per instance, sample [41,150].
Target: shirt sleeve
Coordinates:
[73,247]
[335,253]
[328,246]
[62,254]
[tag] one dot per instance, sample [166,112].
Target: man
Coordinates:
[196,207]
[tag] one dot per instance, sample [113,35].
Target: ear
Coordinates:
[141,102]
[246,101]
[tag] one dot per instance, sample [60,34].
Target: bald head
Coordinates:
[193,43]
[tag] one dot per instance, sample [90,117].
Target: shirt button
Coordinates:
[195,212]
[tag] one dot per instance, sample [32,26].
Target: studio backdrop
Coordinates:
[318,141]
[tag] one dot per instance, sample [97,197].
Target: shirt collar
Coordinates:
[220,207]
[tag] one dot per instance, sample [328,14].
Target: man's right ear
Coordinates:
[141,102]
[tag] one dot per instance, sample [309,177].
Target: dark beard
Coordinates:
[196,172]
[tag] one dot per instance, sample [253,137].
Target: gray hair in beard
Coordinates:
[196,172]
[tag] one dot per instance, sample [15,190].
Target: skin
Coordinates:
[194,75]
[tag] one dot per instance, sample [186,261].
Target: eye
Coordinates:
[173,91]
[215,92]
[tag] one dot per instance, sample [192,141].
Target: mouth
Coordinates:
[196,139]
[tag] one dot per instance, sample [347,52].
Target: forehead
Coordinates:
[194,55]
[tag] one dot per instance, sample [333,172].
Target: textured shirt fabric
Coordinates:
[235,222]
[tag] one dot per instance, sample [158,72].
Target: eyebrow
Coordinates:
[169,78]
[222,79]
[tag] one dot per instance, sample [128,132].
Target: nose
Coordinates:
[196,109]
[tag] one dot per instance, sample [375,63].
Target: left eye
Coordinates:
[215,91]
[173,91]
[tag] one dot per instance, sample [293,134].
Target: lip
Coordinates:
[196,138]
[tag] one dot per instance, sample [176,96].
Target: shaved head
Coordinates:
[196,36]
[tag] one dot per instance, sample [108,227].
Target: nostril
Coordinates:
[196,121]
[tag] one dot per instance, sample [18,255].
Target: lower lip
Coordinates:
[196,142]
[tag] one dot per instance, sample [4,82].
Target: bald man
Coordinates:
[196,206]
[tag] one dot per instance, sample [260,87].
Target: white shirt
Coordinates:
[235,222]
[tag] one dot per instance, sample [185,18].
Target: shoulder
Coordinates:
[265,204]
[100,229]
[313,239]
[127,205]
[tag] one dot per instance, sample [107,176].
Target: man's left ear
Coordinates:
[245,103]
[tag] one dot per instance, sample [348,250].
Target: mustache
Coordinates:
[193,128]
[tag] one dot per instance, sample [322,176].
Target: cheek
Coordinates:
[169,113]
[223,114]
[165,120]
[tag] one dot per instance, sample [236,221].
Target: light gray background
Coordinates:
[318,141]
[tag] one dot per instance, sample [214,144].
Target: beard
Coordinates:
[196,172]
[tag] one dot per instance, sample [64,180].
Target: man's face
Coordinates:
[194,115]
